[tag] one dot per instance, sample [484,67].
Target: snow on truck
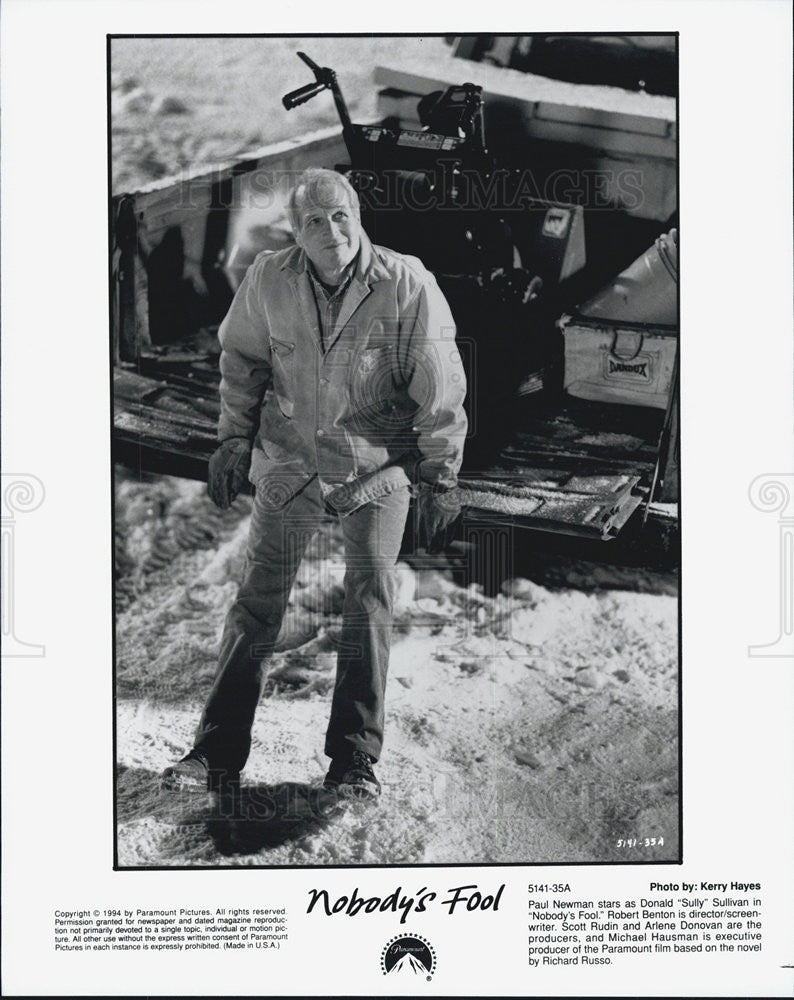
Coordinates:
[546,209]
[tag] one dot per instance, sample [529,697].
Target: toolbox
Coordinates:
[614,362]
[620,346]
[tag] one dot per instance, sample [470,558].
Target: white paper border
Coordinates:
[737,405]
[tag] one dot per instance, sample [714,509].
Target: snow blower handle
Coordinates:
[323,80]
[302,94]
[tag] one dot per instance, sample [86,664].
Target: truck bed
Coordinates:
[567,466]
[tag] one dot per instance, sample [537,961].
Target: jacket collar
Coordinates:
[370,268]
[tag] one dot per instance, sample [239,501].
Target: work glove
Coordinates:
[228,471]
[436,511]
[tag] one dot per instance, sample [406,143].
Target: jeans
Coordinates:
[277,542]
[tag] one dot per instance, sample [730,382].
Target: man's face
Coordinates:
[330,231]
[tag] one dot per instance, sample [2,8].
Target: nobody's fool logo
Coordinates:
[408,955]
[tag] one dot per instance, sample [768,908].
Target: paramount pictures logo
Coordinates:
[409,953]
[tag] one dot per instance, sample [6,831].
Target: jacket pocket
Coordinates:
[278,437]
[283,374]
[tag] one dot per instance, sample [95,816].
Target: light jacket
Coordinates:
[382,406]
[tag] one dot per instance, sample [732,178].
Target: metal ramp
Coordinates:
[573,467]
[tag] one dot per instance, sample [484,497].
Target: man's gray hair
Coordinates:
[319,187]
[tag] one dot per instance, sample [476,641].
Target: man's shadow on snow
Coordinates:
[257,817]
[245,820]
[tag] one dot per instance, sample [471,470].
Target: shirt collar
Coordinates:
[347,274]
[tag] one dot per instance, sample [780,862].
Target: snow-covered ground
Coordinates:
[180,103]
[537,724]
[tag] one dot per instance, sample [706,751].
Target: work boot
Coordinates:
[191,773]
[351,776]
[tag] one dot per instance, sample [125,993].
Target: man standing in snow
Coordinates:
[341,390]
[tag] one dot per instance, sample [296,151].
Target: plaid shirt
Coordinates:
[329,301]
